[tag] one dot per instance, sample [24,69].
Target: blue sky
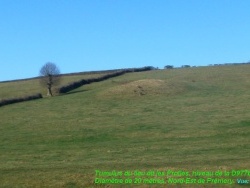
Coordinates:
[86,35]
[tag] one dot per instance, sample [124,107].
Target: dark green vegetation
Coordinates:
[182,119]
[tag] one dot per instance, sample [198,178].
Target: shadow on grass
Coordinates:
[78,91]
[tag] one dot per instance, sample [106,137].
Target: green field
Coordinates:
[180,119]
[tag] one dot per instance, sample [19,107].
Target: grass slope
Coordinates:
[203,123]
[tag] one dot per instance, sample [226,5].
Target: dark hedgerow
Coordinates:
[20,99]
[74,85]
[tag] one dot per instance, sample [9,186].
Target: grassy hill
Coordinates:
[179,119]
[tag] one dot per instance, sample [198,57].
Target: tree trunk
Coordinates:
[49,93]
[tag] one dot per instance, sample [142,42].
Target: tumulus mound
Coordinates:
[142,88]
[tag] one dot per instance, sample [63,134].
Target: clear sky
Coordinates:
[86,35]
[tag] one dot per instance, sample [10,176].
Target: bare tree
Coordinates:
[50,76]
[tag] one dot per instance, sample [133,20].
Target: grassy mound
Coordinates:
[143,87]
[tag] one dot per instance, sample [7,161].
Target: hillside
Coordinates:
[179,119]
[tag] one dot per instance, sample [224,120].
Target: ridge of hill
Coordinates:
[81,73]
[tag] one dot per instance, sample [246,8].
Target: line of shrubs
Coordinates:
[20,99]
[74,85]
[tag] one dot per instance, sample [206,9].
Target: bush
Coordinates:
[169,67]
[185,66]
